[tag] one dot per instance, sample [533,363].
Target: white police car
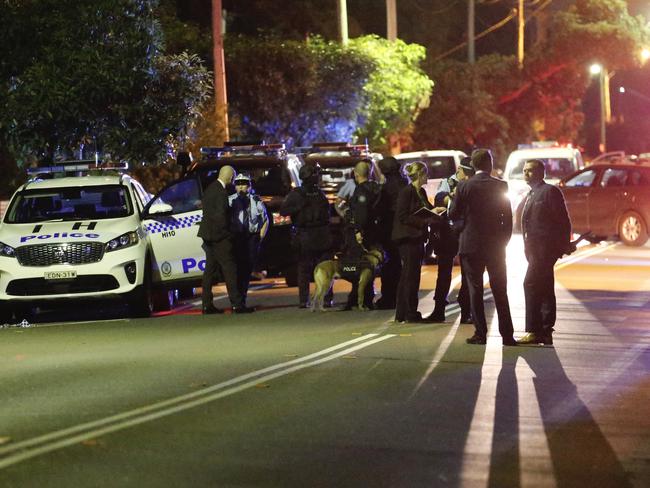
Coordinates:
[74,237]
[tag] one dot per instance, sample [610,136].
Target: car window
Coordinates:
[70,203]
[613,177]
[437,166]
[584,179]
[183,196]
[556,168]
[638,177]
[272,179]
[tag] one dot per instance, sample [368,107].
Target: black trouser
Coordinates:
[411,253]
[474,265]
[368,297]
[219,257]
[390,274]
[539,291]
[443,283]
[247,247]
[307,261]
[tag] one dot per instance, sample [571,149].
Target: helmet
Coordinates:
[309,173]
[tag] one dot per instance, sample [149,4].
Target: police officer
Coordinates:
[445,246]
[250,224]
[362,220]
[309,210]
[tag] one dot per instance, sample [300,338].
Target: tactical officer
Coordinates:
[362,222]
[250,223]
[309,210]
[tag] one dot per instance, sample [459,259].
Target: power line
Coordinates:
[487,31]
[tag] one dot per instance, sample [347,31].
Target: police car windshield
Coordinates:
[556,168]
[438,167]
[69,203]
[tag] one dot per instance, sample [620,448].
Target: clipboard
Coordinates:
[428,213]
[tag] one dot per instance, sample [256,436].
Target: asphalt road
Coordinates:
[285,397]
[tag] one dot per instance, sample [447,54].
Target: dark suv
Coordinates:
[611,201]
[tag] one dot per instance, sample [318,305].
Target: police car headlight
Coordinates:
[125,240]
[7,251]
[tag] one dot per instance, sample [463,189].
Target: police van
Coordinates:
[171,219]
[75,231]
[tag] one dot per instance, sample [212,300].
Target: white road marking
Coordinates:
[57,440]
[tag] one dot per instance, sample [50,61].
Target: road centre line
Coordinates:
[184,402]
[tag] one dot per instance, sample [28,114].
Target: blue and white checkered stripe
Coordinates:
[172,223]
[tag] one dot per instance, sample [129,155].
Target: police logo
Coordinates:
[166,268]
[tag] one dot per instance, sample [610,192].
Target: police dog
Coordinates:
[327,271]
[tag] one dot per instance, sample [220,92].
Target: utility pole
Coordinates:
[391,20]
[221,100]
[471,13]
[603,83]
[520,39]
[342,13]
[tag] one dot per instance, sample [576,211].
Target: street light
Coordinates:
[605,107]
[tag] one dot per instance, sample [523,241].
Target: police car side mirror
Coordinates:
[160,209]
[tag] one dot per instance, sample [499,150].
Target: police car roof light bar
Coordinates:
[78,166]
[267,149]
[352,149]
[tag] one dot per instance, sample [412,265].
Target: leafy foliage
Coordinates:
[89,73]
[295,91]
[302,92]
[397,88]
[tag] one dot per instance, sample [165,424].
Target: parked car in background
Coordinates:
[441,164]
[611,201]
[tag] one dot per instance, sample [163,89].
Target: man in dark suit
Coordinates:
[482,203]
[215,230]
[546,228]
[392,268]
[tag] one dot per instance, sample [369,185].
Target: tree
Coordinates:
[296,92]
[542,101]
[397,88]
[300,92]
[94,73]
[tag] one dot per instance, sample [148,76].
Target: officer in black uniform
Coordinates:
[445,245]
[309,210]
[362,221]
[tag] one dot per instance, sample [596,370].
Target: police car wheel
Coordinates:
[163,300]
[140,300]
[6,314]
